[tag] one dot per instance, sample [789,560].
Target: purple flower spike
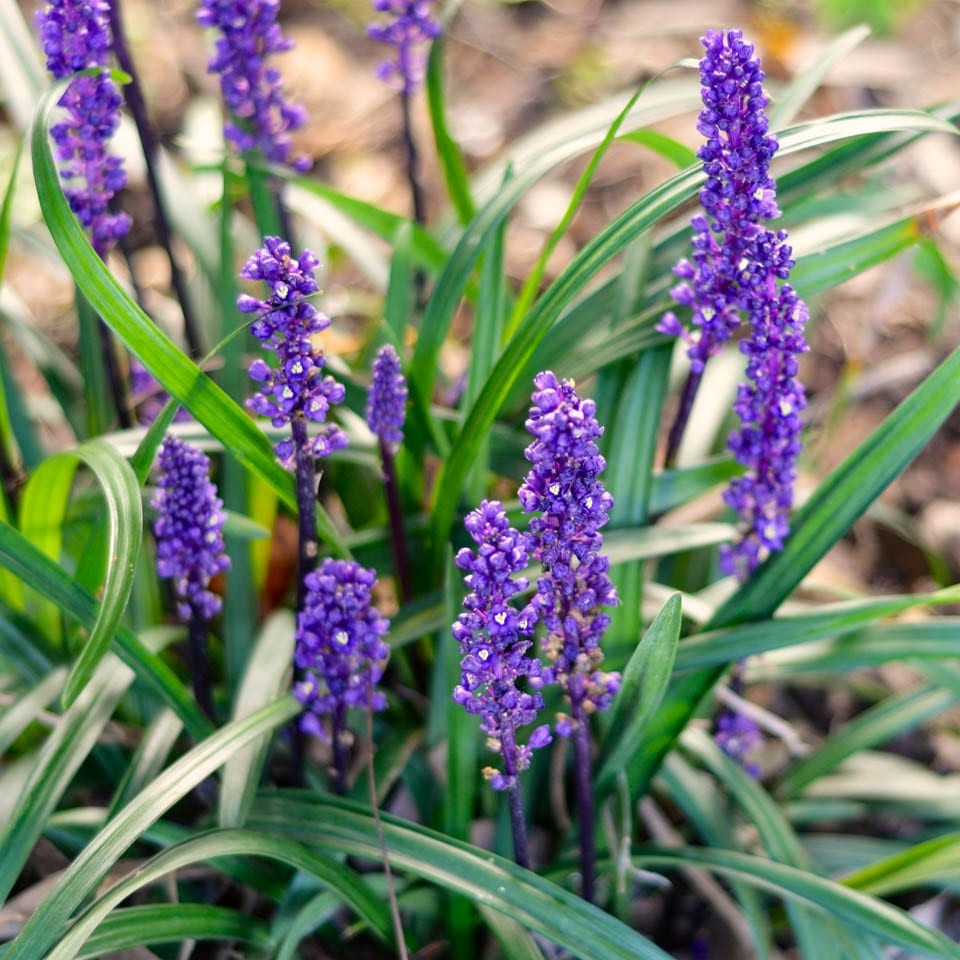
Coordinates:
[409,24]
[737,736]
[75,36]
[285,323]
[737,197]
[189,528]
[571,504]
[252,91]
[340,645]
[494,638]
[740,267]
[386,401]
[769,406]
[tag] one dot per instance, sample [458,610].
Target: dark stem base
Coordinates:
[416,190]
[584,792]
[679,425]
[133,93]
[200,663]
[401,556]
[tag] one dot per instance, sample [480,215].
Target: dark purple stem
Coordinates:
[338,737]
[200,662]
[584,789]
[114,380]
[416,191]
[133,93]
[391,487]
[307,549]
[508,749]
[689,394]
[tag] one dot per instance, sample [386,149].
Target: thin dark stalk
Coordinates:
[9,476]
[584,791]
[679,425]
[118,391]
[387,872]
[401,556]
[508,749]
[200,663]
[307,549]
[338,736]
[413,161]
[416,190]
[133,92]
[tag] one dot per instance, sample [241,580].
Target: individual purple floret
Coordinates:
[285,323]
[737,736]
[499,680]
[188,528]
[738,196]
[252,91]
[769,407]
[340,646]
[571,505]
[409,24]
[76,36]
[387,399]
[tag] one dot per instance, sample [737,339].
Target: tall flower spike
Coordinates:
[739,268]
[76,36]
[494,638]
[738,196]
[253,92]
[769,406]
[408,26]
[285,323]
[189,528]
[386,401]
[340,646]
[571,505]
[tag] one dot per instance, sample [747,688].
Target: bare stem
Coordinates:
[117,392]
[689,394]
[521,851]
[133,92]
[200,662]
[416,190]
[584,790]
[401,556]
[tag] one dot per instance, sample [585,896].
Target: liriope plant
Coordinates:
[290,684]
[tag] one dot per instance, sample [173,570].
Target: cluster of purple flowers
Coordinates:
[409,24]
[340,645]
[285,323]
[739,268]
[499,681]
[387,399]
[571,505]
[737,736]
[189,528]
[76,36]
[252,91]
[738,196]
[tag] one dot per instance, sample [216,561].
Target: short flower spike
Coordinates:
[189,528]
[340,646]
